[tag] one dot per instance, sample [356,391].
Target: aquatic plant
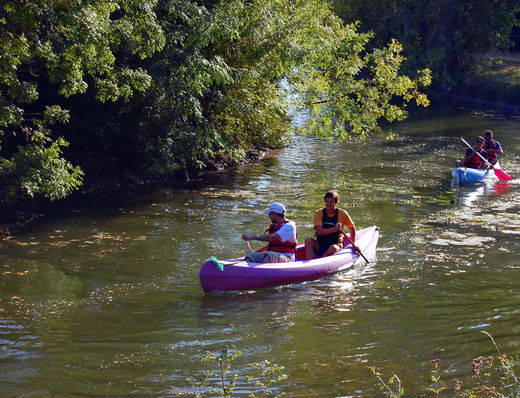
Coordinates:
[436,378]
[392,387]
[486,374]
[493,377]
[222,381]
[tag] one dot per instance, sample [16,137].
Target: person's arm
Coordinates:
[264,238]
[496,149]
[286,233]
[499,150]
[352,231]
[469,154]
[344,218]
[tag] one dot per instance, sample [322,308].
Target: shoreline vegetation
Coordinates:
[118,97]
[13,217]
[497,75]
[117,89]
[491,376]
[495,82]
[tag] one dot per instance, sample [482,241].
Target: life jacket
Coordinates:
[475,162]
[329,222]
[491,145]
[277,245]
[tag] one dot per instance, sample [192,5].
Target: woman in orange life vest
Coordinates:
[329,223]
[281,238]
[472,160]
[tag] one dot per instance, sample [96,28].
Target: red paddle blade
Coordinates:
[502,175]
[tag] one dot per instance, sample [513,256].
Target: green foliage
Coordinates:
[232,76]
[495,78]
[156,86]
[39,169]
[486,385]
[443,35]
[438,385]
[391,388]
[493,377]
[269,375]
[217,381]
[57,47]
[353,90]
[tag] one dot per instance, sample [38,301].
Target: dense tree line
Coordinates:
[147,87]
[447,36]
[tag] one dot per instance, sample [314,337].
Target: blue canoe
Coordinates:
[467,175]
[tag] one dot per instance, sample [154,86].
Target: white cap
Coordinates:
[276,207]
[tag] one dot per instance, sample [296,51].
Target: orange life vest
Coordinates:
[476,161]
[277,245]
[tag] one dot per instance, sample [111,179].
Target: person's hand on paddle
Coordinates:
[249,236]
[501,175]
[339,227]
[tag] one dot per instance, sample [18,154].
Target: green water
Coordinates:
[101,298]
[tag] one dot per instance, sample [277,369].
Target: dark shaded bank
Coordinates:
[107,193]
[468,97]
[494,81]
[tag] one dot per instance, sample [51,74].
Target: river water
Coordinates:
[102,299]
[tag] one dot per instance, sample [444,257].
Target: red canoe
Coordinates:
[240,275]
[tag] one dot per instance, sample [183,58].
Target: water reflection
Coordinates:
[475,194]
[103,298]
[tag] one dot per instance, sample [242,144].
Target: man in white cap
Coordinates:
[281,238]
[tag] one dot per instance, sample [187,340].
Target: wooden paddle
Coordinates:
[354,246]
[501,175]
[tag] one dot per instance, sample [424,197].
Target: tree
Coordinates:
[177,84]
[233,72]
[67,48]
[443,35]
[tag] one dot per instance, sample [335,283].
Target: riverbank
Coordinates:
[19,215]
[495,82]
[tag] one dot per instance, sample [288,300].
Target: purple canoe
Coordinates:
[240,275]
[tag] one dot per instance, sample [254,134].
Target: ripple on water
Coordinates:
[114,293]
[18,343]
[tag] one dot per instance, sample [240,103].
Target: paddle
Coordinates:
[354,246]
[501,175]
